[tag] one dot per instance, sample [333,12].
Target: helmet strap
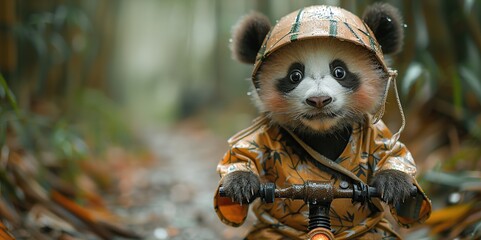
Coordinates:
[396,136]
[378,115]
[380,112]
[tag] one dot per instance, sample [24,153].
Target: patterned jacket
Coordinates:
[277,155]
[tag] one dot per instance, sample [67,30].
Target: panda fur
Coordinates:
[318,89]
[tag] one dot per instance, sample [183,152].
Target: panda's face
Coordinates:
[320,85]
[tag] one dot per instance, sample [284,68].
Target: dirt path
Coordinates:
[173,198]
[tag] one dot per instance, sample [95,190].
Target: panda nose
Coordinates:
[319,102]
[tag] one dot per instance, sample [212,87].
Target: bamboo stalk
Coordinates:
[474,28]
[440,39]
[441,47]
[8,50]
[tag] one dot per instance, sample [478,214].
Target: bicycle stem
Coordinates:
[319,215]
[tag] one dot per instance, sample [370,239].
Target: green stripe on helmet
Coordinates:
[371,39]
[333,28]
[355,34]
[297,24]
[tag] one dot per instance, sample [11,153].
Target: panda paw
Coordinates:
[241,186]
[395,186]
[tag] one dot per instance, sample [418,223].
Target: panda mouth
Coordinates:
[320,115]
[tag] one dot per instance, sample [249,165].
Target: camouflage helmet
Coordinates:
[319,22]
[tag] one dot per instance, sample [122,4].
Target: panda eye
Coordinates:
[339,72]
[295,76]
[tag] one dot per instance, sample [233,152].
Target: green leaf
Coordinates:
[457,180]
[10,96]
[3,93]
[68,144]
[473,82]
[476,231]
[413,73]
[468,6]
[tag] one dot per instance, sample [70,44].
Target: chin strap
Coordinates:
[380,112]
[396,136]
[378,115]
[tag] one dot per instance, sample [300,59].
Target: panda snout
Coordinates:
[319,102]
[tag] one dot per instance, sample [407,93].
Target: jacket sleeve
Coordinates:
[238,158]
[395,155]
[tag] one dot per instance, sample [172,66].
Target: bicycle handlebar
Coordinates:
[317,192]
[319,195]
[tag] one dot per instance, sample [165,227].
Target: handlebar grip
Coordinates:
[222,192]
[363,192]
[414,191]
[266,192]
[373,192]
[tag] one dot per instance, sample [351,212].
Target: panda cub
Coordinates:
[319,81]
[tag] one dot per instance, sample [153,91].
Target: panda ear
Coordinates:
[387,25]
[248,36]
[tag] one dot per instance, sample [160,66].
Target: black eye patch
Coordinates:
[350,80]
[293,77]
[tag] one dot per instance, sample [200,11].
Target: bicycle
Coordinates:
[318,195]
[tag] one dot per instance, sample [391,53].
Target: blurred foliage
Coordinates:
[441,58]
[461,217]
[56,116]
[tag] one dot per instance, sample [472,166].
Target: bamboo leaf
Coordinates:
[413,73]
[449,214]
[468,6]
[5,233]
[453,180]
[2,92]
[477,231]
[472,81]
[10,96]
